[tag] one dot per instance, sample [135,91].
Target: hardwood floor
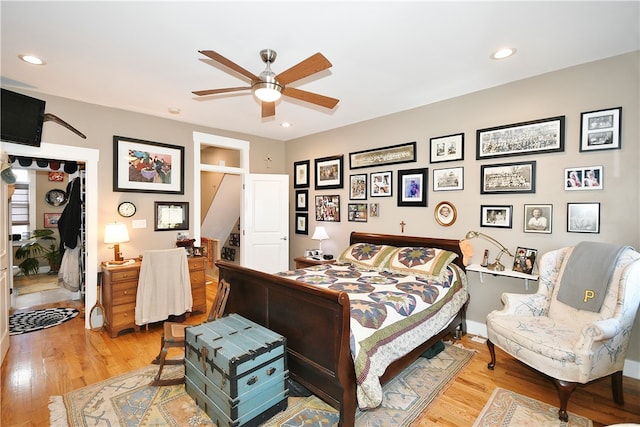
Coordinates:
[54,361]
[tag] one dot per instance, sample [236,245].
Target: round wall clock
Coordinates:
[55,197]
[126,209]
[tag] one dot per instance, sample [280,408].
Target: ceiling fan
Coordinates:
[268,87]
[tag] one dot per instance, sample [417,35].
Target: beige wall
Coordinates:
[603,84]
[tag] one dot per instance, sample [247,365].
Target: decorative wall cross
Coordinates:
[402,224]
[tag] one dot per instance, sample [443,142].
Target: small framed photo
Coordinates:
[302,203]
[328,208]
[197,251]
[302,219]
[301,174]
[525,260]
[357,212]
[358,187]
[448,179]
[537,218]
[374,209]
[600,130]
[329,173]
[496,216]
[583,217]
[381,184]
[445,214]
[583,178]
[412,187]
[51,220]
[447,148]
[508,178]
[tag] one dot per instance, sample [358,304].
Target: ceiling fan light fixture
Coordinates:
[267,91]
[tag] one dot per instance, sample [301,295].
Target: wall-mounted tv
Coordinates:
[21,118]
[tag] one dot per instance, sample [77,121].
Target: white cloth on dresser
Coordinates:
[164,287]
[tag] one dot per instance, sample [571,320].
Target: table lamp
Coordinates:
[320,234]
[495,265]
[116,233]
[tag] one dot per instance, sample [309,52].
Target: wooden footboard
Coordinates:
[315,322]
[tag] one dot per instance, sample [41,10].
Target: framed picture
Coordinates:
[600,130]
[51,220]
[583,178]
[524,260]
[197,251]
[302,219]
[302,197]
[147,167]
[358,187]
[448,179]
[583,217]
[412,187]
[329,173]
[537,136]
[328,208]
[445,214]
[357,212]
[447,148]
[496,216]
[171,216]
[381,184]
[401,153]
[537,218]
[374,209]
[508,178]
[301,174]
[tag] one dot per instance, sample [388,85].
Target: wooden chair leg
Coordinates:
[616,387]
[492,352]
[156,361]
[565,388]
[163,360]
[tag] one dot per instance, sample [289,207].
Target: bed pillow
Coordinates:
[429,263]
[367,255]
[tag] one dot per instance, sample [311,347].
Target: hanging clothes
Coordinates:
[70,221]
[69,272]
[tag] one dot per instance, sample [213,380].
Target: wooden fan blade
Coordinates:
[268,109]
[309,66]
[314,98]
[215,91]
[227,63]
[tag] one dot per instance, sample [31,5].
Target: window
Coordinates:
[20,203]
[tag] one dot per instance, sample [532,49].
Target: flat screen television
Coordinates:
[21,118]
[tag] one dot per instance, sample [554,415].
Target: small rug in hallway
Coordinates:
[508,409]
[128,400]
[26,289]
[30,321]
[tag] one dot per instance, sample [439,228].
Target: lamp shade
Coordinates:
[320,234]
[116,232]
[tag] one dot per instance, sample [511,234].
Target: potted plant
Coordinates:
[41,245]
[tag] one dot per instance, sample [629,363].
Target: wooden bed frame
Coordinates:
[315,322]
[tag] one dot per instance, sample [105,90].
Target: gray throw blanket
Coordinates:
[587,275]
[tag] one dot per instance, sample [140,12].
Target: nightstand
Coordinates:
[304,262]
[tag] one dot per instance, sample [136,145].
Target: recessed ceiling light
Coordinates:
[31,59]
[505,52]
[285,124]
[174,110]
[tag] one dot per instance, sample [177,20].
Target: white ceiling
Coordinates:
[387,56]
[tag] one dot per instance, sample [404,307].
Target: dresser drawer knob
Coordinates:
[252,380]
[270,371]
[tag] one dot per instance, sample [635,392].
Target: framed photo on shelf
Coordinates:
[381,184]
[301,174]
[583,217]
[302,203]
[525,260]
[357,212]
[328,208]
[171,216]
[302,219]
[358,187]
[583,178]
[147,167]
[508,178]
[329,173]
[447,148]
[448,179]
[537,218]
[412,187]
[600,130]
[536,136]
[500,216]
[445,214]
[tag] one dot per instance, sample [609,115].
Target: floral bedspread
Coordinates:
[391,314]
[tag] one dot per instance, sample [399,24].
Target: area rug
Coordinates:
[128,400]
[26,289]
[30,321]
[508,409]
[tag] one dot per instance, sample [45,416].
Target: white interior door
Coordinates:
[5,301]
[264,222]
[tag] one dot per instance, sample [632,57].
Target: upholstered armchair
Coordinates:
[571,345]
